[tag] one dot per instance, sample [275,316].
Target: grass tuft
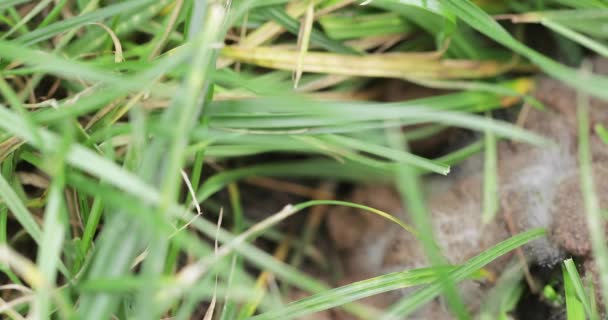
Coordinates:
[121,122]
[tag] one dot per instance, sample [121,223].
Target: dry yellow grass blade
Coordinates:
[360,44]
[388,65]
[304,40]
[211,309]
[25,268]
[528,17]
[270,30]
[264,279]
[117,46]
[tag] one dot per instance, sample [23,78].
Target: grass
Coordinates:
[106,103]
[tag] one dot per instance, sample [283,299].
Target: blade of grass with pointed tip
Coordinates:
[574,307]
[577,301]
[392,154]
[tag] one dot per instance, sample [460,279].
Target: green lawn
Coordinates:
[115,115]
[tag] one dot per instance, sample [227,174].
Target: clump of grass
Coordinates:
[107,105]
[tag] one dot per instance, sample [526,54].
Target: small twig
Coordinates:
[53,89]
[167,30]
[520,253]
[264,279]
[530,17]
[209,312]
[289,187]
[192,193]
[523,115]
[17,287]
[8,307]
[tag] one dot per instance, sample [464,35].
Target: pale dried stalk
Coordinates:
[389,65]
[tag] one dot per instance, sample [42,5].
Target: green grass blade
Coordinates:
[577,302]
[411,303]
[574,308]
[601,132]
[395,155]
[53,14]
[51,246]
[462,154]
[577,37]
[590,199]
[31,14]
[352,292]
[19,211]
[11,3]
[348,27]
